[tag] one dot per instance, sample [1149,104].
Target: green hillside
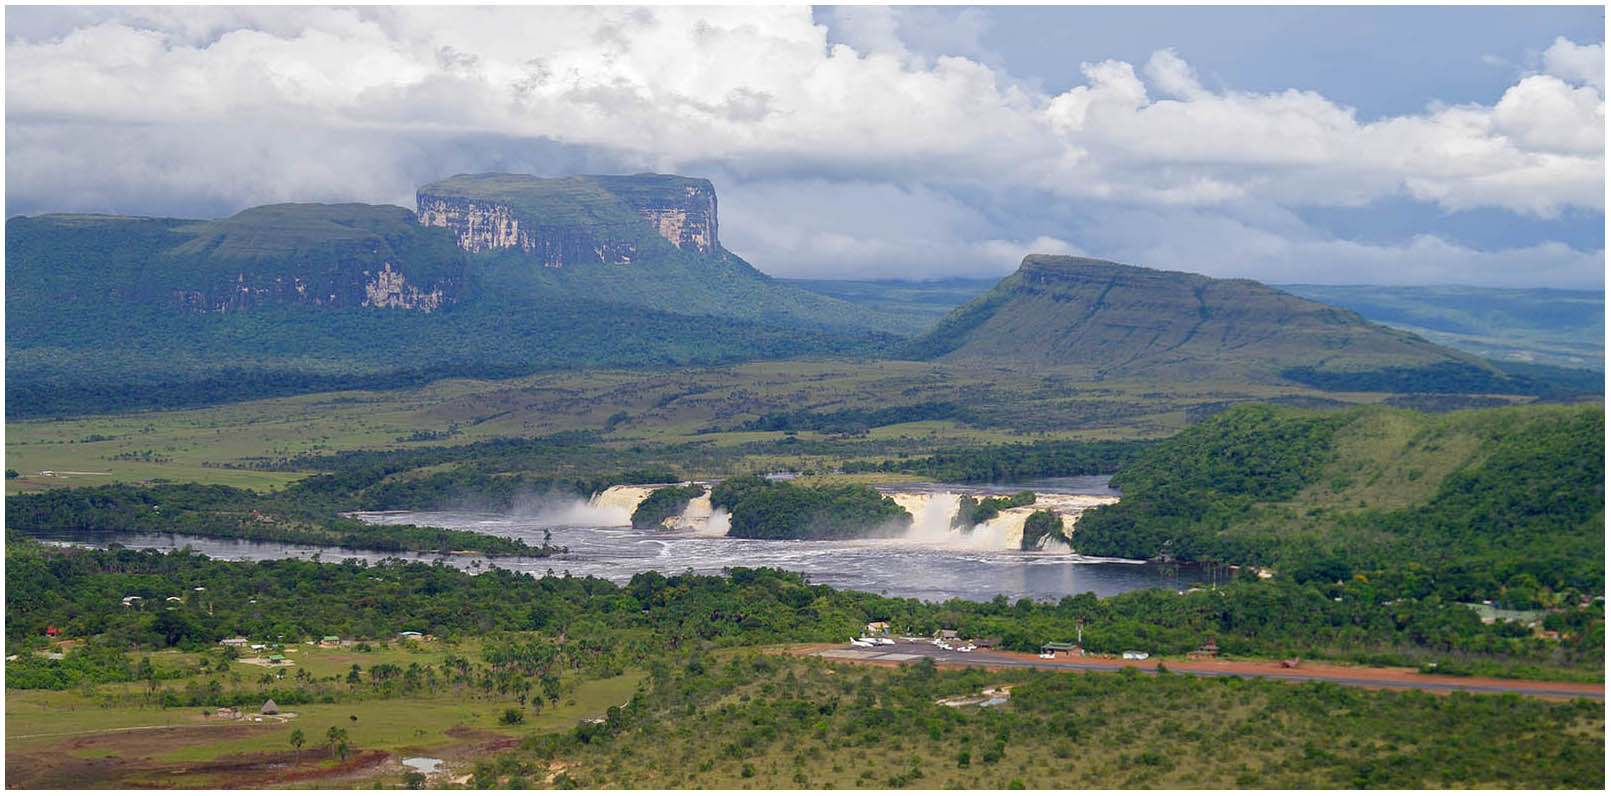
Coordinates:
[1110,320]
[319,255]
[1564,328]
[1476,503]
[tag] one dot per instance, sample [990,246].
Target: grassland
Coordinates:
[631,407]
[55,738]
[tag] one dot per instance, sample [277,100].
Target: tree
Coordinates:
[336,738]
[297,739]
[148,673]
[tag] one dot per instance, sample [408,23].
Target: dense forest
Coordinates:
[1520,511]
[765,509]
[1379,622]
[230,513]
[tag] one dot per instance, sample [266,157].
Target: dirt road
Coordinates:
[1362,676]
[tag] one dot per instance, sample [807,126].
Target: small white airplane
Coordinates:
[886,641]
[860,643]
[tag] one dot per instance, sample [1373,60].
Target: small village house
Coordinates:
[270,709]
[877,628]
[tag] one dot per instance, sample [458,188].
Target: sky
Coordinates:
[1336,145]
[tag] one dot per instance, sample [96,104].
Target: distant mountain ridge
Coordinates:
[509,274]
[1544,326]
[1116,320]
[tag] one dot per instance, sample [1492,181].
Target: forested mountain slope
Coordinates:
[1481,502]
[112,313]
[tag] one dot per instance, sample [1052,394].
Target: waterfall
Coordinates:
[613,506]
[931,517]
[932,513]
[694,517]
[716,525]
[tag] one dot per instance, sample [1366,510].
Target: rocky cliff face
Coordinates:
[570,221]
[335,256]
[366,288]
[682,210]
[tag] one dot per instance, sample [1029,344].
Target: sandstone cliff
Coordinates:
[323,255]
[567,221]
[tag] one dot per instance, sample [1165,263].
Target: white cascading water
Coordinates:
[931,517]
[614,507]
[932,512]
[694,517]
[611,508]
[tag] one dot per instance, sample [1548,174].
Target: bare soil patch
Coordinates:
[128,761]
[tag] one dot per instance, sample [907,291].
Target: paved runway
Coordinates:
[905,652]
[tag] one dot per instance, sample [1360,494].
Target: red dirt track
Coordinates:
[1359,676]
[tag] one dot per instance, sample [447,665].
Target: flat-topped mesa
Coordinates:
[564,221]
[1115,320]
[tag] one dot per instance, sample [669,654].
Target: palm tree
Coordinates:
[297,739]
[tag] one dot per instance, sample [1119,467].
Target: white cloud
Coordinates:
[817,228]
[120,108]
[762,88]
[1579,63]
[1173,76]
[1271,248]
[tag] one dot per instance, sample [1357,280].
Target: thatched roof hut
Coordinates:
[269,708]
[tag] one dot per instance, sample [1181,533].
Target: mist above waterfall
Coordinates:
[608,509]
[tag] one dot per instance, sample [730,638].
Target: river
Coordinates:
[924,566]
